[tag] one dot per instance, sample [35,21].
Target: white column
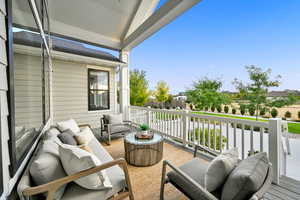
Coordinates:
[275,147]
[124,85]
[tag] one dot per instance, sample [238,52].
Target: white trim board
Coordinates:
[22,49]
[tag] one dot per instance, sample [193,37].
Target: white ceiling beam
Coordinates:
[164,15]
[143,10]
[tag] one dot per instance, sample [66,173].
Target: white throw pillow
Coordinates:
[219,169]
[68,124]
[84,136]
[75,160]
[115,118]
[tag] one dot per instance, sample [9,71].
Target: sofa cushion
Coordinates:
[115,174]
[67,137]
[84,136]
[47,167]
[115,118]
[195,169]
[68,124]
[219,168]
[75,160]
[246,178]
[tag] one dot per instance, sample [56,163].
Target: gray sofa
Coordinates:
[118,176]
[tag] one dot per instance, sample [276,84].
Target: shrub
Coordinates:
[233,111]
[226,109]
[219,109]
[274,113]
[213,108]
[262,111]
[251,110]
[288,114]
[243,109]
[197,135]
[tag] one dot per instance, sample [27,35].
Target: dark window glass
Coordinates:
[29,73]
[98,86]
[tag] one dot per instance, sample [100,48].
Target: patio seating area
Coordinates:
[78,68]
[146,180]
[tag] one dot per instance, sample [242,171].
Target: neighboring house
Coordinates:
[180,97]
[284,93]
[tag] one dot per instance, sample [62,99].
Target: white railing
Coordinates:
[215,133]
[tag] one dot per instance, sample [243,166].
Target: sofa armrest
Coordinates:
[205,195]
[85,125]
[53,186]
[205,149]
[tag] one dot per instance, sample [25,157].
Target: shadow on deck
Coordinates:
[146,180]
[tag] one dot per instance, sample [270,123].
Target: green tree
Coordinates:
[255,92]
[162,92]
[205,93]
[139,92]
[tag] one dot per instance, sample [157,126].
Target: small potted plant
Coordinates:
[144,128]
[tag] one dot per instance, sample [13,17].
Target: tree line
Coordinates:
[206,94]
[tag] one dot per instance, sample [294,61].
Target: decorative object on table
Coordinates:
[144,132]
[143,153]
[144,127]
[145,135]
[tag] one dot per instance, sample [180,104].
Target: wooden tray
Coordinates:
[143,136]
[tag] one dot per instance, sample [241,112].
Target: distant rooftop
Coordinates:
[64,45]
[283,93]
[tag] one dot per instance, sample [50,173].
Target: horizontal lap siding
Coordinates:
[70,93]
[28,90]
[3,100]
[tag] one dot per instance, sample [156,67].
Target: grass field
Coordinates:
[293,127]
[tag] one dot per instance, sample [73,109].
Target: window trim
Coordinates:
[89,90]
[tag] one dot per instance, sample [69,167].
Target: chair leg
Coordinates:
[109,138]
[163,177]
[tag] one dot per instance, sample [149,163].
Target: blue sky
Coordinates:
[218,38]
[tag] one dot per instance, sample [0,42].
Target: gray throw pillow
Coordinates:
[246,178]
[67,137]
[219,169]
[47,166]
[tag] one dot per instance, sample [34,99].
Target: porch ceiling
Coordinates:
[114,24]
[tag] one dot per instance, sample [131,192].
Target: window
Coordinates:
[29,77]
[98,89]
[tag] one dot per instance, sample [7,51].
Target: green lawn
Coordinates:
[293,127]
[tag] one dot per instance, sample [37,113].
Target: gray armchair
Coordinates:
[113,124]
[189,179]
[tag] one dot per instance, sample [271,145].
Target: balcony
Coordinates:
[180,137]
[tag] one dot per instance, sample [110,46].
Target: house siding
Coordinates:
[70,92]
[28,90]
[3,100]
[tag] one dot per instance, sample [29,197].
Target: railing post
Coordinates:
[275,147]
[185,127]
[148,117]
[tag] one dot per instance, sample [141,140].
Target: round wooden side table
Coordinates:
[143,152]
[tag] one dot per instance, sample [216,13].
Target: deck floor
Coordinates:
[146,180]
